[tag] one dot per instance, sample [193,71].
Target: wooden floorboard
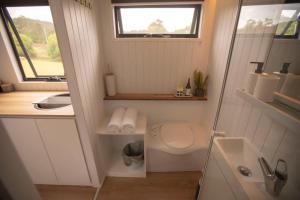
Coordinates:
[157,186]
[51,192]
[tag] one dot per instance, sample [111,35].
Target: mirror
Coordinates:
[284,55]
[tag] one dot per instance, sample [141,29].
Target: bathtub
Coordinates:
[176,146]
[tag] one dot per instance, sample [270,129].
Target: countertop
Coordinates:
[17,104]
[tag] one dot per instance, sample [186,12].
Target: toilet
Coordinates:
[176,146]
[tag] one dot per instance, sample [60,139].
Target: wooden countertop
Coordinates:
[154,97]
[16,104]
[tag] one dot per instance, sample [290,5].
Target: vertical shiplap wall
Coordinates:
[154,65]
[226,13]
[81,50]
[284,50]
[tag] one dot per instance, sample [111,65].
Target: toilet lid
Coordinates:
[177,135]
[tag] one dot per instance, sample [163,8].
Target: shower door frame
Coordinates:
[229,56]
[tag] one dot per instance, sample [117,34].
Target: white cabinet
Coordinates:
[28,143]
[50,149]
[215,185]
[64,149]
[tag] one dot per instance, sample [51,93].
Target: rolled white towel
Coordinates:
[115,123]
[129,120]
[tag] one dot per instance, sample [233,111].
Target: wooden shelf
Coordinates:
[169,97]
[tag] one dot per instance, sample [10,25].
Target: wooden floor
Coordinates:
[157,186]
[48,192]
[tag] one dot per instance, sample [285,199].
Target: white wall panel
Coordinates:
[284,51]
[226,12]
[81,49]
[154,65]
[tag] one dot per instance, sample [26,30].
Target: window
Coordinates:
[289,23]
[31,32]
[167,21]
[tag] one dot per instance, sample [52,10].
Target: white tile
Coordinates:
[252,123]
[262,131]
[273,140]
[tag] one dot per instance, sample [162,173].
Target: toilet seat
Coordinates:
[177,135]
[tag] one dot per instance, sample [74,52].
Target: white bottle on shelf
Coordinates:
[253,76]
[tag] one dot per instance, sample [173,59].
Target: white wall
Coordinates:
[226,12]
[80,44]
[284,50]
[154,65]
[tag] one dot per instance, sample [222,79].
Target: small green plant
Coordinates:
[200,83]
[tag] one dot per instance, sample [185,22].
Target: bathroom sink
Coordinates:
[240,153]
[237,159]
[230,153]
[53,102]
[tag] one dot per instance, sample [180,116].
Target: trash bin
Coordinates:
[133,153]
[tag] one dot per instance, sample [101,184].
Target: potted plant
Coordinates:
[200,83]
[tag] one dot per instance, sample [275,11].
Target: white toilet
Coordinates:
[176,146]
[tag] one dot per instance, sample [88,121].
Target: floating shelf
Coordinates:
[155,97]
[141,127]
[277,111]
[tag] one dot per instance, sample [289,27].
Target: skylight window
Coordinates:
[178,21]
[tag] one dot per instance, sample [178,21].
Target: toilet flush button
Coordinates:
[177,135]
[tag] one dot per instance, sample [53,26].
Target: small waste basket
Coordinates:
[133,153]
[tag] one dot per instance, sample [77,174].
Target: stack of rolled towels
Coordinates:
[123,120]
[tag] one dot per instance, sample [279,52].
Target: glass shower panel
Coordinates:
[268,34]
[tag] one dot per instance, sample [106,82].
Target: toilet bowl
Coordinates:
[176,146]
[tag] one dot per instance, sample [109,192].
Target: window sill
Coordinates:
[41,85]
[153,97]
[157,39]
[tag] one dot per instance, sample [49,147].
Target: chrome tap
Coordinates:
[274,179]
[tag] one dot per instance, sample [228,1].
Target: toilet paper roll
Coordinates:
[251,82]
[110,82]
[265,87]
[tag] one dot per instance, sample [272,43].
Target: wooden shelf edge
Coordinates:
[153,97]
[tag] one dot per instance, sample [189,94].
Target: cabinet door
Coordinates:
[63,146]
[28,143]
[215,185]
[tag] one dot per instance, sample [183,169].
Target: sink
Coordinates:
[237,159]
[53,102]
[232,152]
[240,152]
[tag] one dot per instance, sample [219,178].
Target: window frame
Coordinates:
[7,21]
[295,36]
[195,23]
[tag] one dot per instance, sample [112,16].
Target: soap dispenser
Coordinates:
[282,74]
[252,77]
